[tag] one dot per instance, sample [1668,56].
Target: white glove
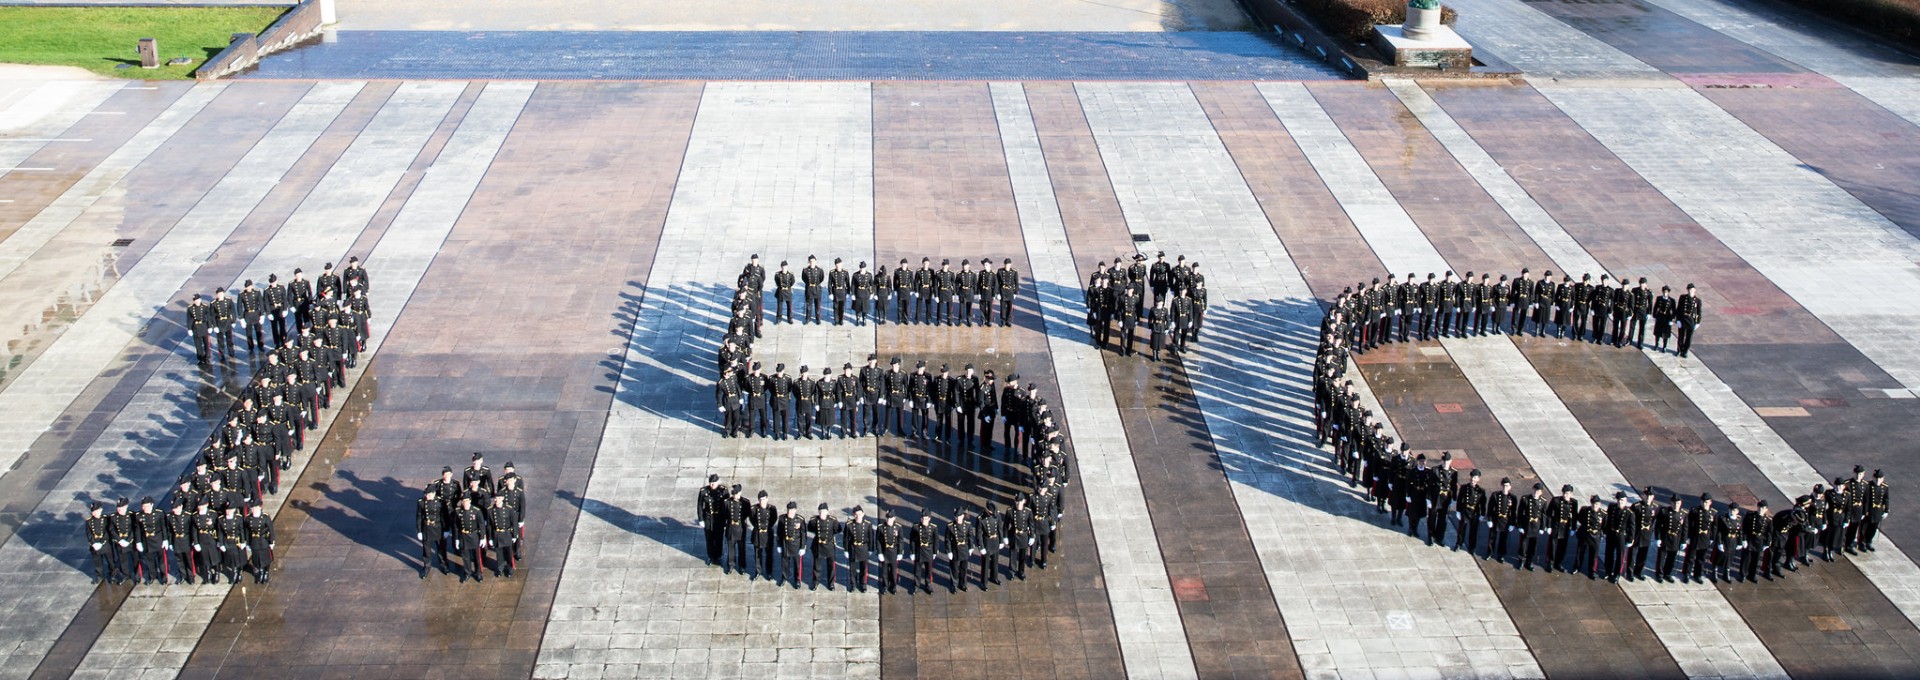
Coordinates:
[1456,515]
[1489,524]
[123,544]
[166,547]
[446,534]
[418,537]
[843,553]
[803,553]
[949,556]
[1029,541]
[97,546]
[703,524]
[1003,544]
[141,547]
[777,550]
[882,402]
[196,547]
[223,548]
[723,409]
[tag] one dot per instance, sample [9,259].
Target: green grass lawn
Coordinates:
[101,38]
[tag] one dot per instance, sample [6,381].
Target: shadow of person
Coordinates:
[668,531]
[375,513]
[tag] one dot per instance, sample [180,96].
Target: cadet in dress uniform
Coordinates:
[812,276]
[1690,308]
[200,322]
[1500,507]
[1758,555]
[233,542]
[991,544]
[873,389]
[225,315]
[1563,514]
[207,544]
[839,286]
[259,532]
[961,535]
[857,546]
[780,398]
[180,540]
[469,530]
[968,283]
[1470,502]
[124,534]
[823,532]
[1009,279]
[735,512]
[1877,497]
[150,543]
[1020,533]
[765,520]
[783,294]
[1670,535]
[925,543]
[98,540]
[1530,518]
[1440,489]
[1664,311]
[1646,516]
[1592,527]
[890,546]
[792,538]
[862,294]
[708,507]
[428,528]
[903,286]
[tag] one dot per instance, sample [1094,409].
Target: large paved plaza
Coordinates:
[551,261]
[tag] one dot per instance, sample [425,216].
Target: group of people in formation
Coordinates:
[926,295]
[759,538]
[1173,315]
[213,523]
[333,306]
[1621,537]
[1608,310]
[472,517]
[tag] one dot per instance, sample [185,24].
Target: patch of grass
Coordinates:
[101,38]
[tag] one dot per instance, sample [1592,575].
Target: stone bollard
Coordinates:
[149,53]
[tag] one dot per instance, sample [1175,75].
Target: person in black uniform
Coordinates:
[919,391]
[989,409]
[889,544]
[1444,480]
[1161,325]
[1702,523]
[226,313]
[903,287]
[965,392]
[791,537]
[924,542]
[98,539]
[1620,536]
[1758,547]
[780,398]
[708,507]
[1563,515]
[253,315]
[1646,517]
[1530,518]
[427,528]
[823,532]
[1125,305]
[124,533]
[873,389]
[1157,276]
[839,286]
[960,536]
[1009,279]
[1670,536]
[206,539]
[1469,504]
[846,392]
[764,519]
[300,300]
[1020,533]
[783,294]
[732,409]
[469,530]
[1877,497]
[812,276]
[897,383]
[735,512]
[1664,310]
[1044,501]
[967,283]
[862,294]
[233,543]
[1640,304]
[1592,528]
[940,401]
[200,323]
[276,297]
[1499,522]
[259,531]
[990,544]
[857,546]
[882,293]
[150,542]
[1690,307]
[180,541]
[1731,529]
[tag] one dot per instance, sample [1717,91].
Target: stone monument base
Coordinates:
[1443,50]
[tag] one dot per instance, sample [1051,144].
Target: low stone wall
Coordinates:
[298,25]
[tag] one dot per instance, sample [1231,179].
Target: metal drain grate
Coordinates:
[122,242]
[1141,238]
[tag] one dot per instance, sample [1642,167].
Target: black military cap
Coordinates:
[1162,254]
[1020,497]
[1475,473]
[147,501]
[920,364]
[792,505]
[1566,488]
[1504,480]
[783,263]
[477,455]
[779,367]
[756,365]
[811,258]
[272,278]
[1817,488]
[943,368]
[1879,475]
[823,506]
[1689,286]
[991,507]
[196,296]
[328,265]
[826,370]
[1007,261]
[736,488]
[944,262]
[1665,289]
[122,502]
[1032,386]
[1648,492]
[1619,495]
[836,260]
[1704,496]
[1643,279]
[763,493]
[964,263]
[249,282]
[989,374]
[1013,377]
[352,260]
[1539,487]
[1763,504]
[94,505]
[1447,455]
[803,370]
[297,270]
[712,478]
[858,510]
[847,366]
[1593,499]
[1422,458]
[221,289]
[969,367]
[1858,469]
[895,361]
[863,263]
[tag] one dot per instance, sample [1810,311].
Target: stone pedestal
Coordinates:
[149,53]
[1442,48]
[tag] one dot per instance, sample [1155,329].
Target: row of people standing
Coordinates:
[239,464]
[942,296]
[268,316]
[472,517]
[1635,539]
[1119,295]
[954,412]
[757,538]
[1374,313]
